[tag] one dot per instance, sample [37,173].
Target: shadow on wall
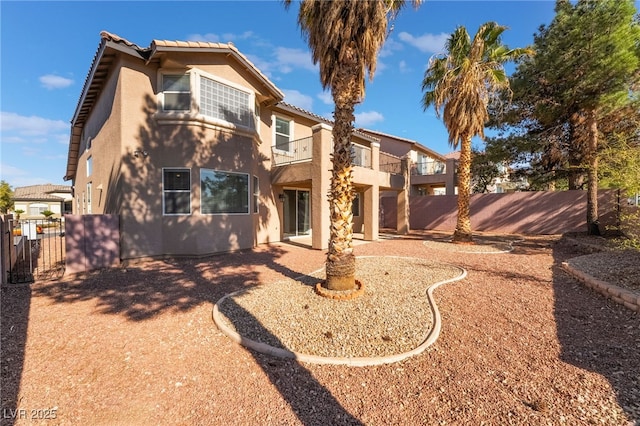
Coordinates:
[514,213]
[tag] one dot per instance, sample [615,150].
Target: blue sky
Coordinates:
[47,48]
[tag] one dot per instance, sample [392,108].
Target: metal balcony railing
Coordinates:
[429,167]
[361,156]
[293,152]
[301,150]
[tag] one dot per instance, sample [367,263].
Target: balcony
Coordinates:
[301,150]
[293,152]
[429,167]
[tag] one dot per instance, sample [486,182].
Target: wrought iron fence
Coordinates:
[36,250]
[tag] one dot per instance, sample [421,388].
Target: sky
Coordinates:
[46,49]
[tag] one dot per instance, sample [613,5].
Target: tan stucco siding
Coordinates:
[103,129]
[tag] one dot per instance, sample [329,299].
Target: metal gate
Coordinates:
[38,249]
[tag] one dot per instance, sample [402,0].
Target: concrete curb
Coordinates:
[619,295]
[431,337]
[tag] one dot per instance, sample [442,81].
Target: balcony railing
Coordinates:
[361,156]
[390,163]
[293,152]
[429,167]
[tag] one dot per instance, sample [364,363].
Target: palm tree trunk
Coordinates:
[463,233]
[592,174]
[341,262]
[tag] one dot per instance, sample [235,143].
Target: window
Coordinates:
[283,134]
[226,103]
[224,192]
[37,209]
[355,206]
[176,188]
[256,194]
[89,166]
[89,198]
[177,92]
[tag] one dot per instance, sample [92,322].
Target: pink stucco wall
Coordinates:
[530,213]
[91,242]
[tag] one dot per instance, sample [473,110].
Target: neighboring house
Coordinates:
[430,173]
[35,199]
[195,152]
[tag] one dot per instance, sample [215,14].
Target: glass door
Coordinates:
[297,212]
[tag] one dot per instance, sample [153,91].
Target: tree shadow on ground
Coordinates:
[14,317]
[143,291]
[597,334]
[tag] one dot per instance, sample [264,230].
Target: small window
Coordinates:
[37,209]
[89,198]
[256,194]
[224,192]
[176,92]
[89,166]
[355,205]
[283,134]
[176,185]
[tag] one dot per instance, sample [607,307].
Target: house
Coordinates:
[430,173]
[194,151]
[35,199]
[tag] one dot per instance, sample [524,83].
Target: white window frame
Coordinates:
[161,91]
[89,165]
[256,194]
[89,187]
[249,193]
[274,119]
[164,191]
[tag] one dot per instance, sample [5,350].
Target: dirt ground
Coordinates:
[522,343]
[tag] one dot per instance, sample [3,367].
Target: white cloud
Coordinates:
[427,43]
[216,38]
[51,82]
[298,99]
[287,59]
[365,119]
[326,97]
[12,124]
[390,46]
[403,67]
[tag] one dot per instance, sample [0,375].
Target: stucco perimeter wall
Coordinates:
[91,242]
[530,213]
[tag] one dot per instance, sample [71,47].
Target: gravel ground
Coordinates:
[522,343]
[391,317]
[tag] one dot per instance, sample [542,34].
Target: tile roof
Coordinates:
[40,192]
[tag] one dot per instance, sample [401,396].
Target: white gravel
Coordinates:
[392,316]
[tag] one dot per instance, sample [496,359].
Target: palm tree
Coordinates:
[462,83]
[345,37]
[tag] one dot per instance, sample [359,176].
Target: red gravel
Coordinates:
[522,343]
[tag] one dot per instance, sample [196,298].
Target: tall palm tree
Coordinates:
[345,37]
[462,83]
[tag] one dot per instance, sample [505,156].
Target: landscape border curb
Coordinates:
[264,348]
[618,294]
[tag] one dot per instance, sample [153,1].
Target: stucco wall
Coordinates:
[519,212]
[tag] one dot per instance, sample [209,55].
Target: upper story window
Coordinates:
[226,103]
[176,91]
[89,166]
[283,133]
[198,93]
